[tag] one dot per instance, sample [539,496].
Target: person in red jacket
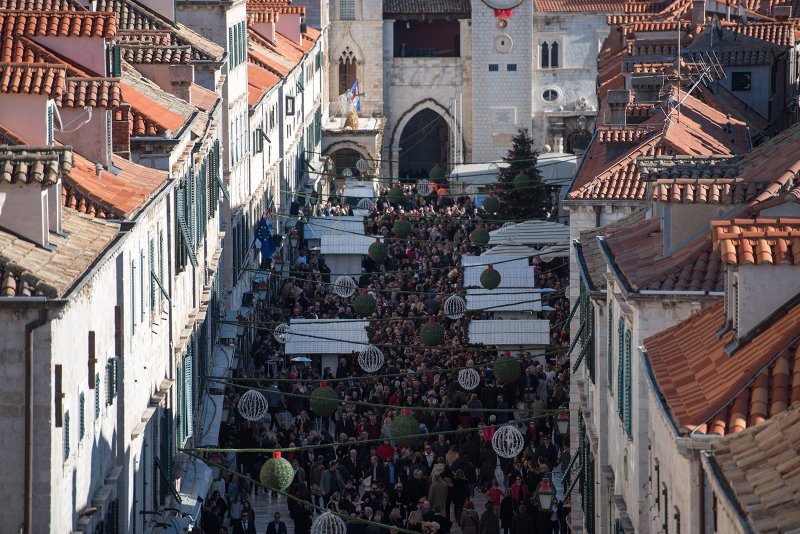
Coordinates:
[385,451]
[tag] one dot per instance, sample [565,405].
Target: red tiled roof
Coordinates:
[202,97]
[34,165]
[708,391]
[590,253]
[638,248]
[712,191]
[623,134]
[156,55]
[779,33]
[42,5]
[26,78]
[110,195]
[579,6]
[57,23]
[93,92]
[149,117]
[266,62]
[7,137]
[262,16]
[260,81]
[758,241]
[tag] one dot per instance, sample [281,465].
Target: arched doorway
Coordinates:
[424,142]
[346,158]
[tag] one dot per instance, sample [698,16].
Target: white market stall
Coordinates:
[513,335]
[324,341]
[318,227]
[343,253]
[516,294]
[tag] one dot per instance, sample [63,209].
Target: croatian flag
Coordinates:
[355,98]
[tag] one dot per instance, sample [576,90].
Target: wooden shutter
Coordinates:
[610,355]
[189,390]
[621,367]
[628,385]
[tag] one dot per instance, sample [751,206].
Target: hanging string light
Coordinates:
[328,523]
[371,359]
[469,379]
[252,405]
[282,333]
[455,307]
[345,286]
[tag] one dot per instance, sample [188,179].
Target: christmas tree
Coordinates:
[519,186]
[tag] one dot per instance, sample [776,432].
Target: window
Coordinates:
[109,132]
[347,70]
[550,95]
[96,396]
[610,355]
[494,67]
[111,381]
[554,55]
[665,526]
[152,270]
[677,517]
[511,67]
[65,427]
[290,106]
[141,284]
[133,296]
[347,9]
[548,55]
[544,55]
[657,469]
[81,416]
[740,81]
[628,413]
[620,367]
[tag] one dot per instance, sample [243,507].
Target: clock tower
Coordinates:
[502,69]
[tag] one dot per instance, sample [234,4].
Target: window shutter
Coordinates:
[161,255]
[141,284]
[166,454]
[231,53]
[185,247]
[181,406]
[81,416]
[66,435]
[620,367]
[97,396]
[610,355]
[152,271]
[188,395]
[50,116]
[133,296]
[192,207]
[109,137]
[628,386]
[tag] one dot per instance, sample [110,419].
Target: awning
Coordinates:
[317,336]
[194,487]
[319,227]
[228,331]
[210,420]
[346,244]
[530,233]
[510,332]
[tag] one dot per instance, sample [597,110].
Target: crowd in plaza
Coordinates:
[348,461]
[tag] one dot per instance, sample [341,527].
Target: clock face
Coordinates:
[502,4]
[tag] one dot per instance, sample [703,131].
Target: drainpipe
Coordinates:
[29,328]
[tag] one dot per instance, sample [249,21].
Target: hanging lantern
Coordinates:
[364,304]
[432,333]
[282,333]
[490,277]
[403,426]
[468,379]
[423,187]
[506,369]
[378,251]
[562,422]
[437,173]
[328,523]
[454,307]
[402,228]
[277,473]
[508,441]
[521,181]
[395,195]
[324,400]
[345,286]
[491,204]
[545,495]
[480,236]
[252,405]
[371,359]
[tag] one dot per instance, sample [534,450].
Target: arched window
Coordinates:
[554,55]
[545,55]
[347,9]
[347,70]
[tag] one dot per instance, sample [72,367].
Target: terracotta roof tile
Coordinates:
[7,137]
[202,97]
[638,248]
[30,79]
[592,257]
[262,16]
[761,466]
[93,92]
[29,270]
[156,55]
[264,59]
[34,165]
[458,8]
[758,241]
[260,81]
[579,6]
[149,117]
[42,5]
[778,33]
[707,390]
[57,23]
[622,134]
[110,195]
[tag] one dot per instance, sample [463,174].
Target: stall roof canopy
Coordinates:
[546,253]
[515,273]
[317,336]
[499,300]
[530,233]
[557,170]
[345,244]
[510,332]
[319,227]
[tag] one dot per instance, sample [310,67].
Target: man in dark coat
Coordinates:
[276,526]
[245,525]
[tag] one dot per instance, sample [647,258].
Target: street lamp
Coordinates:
[545,494]
[562,422]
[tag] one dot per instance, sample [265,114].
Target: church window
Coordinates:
[545,55]
[347,70]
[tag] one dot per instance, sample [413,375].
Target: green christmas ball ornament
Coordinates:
[402,228]
[403,426]
[490,277]
[277,473]
[432,334]
[506,370]
[377,251]
[521,181]
[436,174]
[395,195]
[479,236]
[324,400]
[364,304]
[491,204]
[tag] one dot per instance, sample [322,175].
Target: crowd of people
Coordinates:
[348,461]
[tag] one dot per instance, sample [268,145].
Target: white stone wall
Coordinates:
[501,100]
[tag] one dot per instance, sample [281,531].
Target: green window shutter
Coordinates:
[133,296]
[161,254]
[244,41]
[96,396]
[81,416]
[620,367]
[185,245]
[610,355]
[628,386]
[590,355]
[191,202]
[165,458]
[109,130]
[65,427]
[230,49]
[141,284]
[181,406]
[111,380]
[188,392]
[152,270]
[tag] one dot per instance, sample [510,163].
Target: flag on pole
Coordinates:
[263,237]
[355,97]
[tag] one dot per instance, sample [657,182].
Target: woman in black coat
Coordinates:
[459,492]
[302,519]
[506,512]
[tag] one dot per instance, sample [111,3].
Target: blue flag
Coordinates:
[264,233]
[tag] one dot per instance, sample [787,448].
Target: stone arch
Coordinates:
[397,132]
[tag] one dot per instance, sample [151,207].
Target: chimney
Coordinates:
[647,87]
[121,131]
[782,12]
[698,12]
[618,101]
[289,26]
